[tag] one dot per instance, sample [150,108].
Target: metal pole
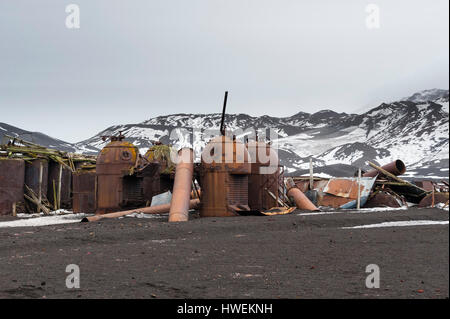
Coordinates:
[41,172]
[311,174]
[358,201]
[59,185]
[159,209]
[222,123]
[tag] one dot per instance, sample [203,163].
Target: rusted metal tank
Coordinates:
[12,177]
[265,176]
[434,198]
[59,185]
[121,172]
[84,192]
[383,199]
[224,170]
[396,168]
[36,177]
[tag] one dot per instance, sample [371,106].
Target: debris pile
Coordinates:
[233,178]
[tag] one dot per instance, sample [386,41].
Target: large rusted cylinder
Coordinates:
[224,178]
[396,168]
[83,192]
[12,173]
[179,206]
[159,209]
[301,201]
[264,178]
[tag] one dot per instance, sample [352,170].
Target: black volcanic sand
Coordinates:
[288,256]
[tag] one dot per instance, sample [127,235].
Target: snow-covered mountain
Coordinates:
[415,130]
[34,137]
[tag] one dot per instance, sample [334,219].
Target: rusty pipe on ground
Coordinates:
[159,209]
[396,168]
[182,187]
[301,201]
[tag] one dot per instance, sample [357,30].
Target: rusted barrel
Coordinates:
[396,168]
[179,206]
[160,209]
[301,201]
[12,173]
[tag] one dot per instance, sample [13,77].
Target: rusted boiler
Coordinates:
[265,177]
[12,177]
[224,173]
[120,173]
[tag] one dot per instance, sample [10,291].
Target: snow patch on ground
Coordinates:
[353,211]
[44,221]
[401,224]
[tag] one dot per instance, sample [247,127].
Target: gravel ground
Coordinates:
[291,256]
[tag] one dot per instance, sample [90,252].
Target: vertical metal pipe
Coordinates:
[179,206]
[358,202]
[311,174]
[222,123]
[59,185]
[41,172]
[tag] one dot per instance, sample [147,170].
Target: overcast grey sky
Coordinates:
[133,60]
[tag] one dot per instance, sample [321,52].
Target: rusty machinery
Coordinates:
[123,177]
[265,178]
[224,171]
[160,153]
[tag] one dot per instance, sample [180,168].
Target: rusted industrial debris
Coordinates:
[233,178]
